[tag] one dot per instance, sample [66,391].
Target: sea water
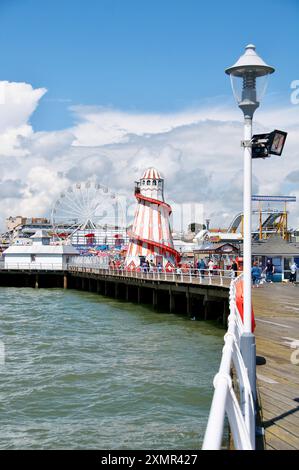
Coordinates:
[83,371]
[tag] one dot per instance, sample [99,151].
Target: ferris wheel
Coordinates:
[86,206]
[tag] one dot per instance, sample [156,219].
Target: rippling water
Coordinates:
[83,371]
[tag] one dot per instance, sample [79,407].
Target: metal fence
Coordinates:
[217,277]
[33,267]
[238,407]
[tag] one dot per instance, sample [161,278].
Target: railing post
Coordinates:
[248,351]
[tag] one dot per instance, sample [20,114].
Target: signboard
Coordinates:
[274,198]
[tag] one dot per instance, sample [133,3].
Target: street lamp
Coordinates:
[249,76]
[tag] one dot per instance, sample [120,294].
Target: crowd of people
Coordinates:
[208,267]
[259,275]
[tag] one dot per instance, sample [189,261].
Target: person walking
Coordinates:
[256,274]
[293,274]
[269,271]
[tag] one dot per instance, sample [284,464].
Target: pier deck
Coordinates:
[276,309]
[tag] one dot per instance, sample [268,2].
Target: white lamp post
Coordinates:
[249,76]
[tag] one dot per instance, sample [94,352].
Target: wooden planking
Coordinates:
[277,308]
[284,424]
[275,443]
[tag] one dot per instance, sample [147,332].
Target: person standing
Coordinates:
[151,266]
[269,271]
[202,267]
[255,274]
[293,269]
[210,267]
[235,267]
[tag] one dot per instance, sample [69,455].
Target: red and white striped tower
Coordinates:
[151,237]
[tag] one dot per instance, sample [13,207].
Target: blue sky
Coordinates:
[146,55]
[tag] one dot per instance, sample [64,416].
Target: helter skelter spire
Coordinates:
[151,237]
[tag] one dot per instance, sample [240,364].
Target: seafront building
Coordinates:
[26,226]
[41,254]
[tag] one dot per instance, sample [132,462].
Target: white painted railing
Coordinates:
[34,267]
[239,411]
[95,265]
[217,277]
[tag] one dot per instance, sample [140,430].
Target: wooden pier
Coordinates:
[276,308]
[204,298]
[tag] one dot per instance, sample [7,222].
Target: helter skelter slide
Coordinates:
[151,238]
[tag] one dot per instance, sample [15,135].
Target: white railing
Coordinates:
[90,261]
[217,277]
[239,411]
[34,267]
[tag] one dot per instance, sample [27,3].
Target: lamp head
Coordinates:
[249,77]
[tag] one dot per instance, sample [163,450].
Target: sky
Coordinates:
[101,89]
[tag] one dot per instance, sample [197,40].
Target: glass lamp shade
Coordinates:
[249,87]
[249,77]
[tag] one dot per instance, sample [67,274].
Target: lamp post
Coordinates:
[249,76]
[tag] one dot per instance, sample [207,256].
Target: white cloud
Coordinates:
[197,150]
[17,103]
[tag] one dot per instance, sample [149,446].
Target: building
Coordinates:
[39,255]
[281,252]
[223,254]
[26,226]
[151,237]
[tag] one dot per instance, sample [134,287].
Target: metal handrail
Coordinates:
[217,277]
[240,412]
[34,267]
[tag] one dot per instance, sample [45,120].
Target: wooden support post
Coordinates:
[106,288]
[171,301]
[83,283]
[98,287]
[155,298]
[36,285]
[188,303]
[65,281]
[205,309]
[116,290]
[127,292]
[138,295]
